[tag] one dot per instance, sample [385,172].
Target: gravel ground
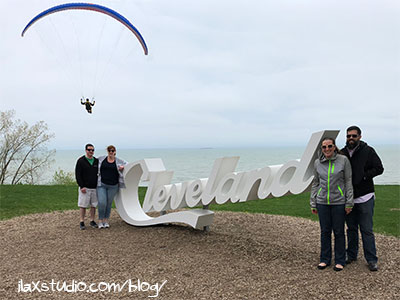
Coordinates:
[244,256]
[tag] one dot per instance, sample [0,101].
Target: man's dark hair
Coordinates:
[88,145]
[354,128]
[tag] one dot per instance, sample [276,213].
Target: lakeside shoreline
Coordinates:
[193,163]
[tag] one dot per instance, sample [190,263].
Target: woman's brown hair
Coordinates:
[337,150]
[111,147]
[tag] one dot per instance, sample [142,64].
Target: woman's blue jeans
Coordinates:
[105,197]
[331,218]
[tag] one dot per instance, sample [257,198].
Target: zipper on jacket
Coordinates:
[329,173]
[341,192]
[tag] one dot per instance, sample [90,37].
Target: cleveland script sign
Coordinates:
[224,184]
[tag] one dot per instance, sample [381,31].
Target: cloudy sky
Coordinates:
[218,74]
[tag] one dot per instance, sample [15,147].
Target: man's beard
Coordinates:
[351,146]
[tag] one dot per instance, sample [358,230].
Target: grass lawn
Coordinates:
[20,200]
[386,217]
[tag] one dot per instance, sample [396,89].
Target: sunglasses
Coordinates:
[352,136]
[328,146]
[111,151]
[91,150]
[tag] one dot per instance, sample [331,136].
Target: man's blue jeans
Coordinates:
[361,217]
[105,197]
[331,218]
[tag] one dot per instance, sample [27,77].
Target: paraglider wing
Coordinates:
[93,7]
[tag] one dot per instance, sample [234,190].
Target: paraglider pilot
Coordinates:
[88,105]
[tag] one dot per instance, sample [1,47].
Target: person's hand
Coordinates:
[121,168]
[83,190]
[314,211]
[348,210]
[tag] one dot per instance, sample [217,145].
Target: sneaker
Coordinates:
[101,225]
[106,225]
[82,226]
[93,224]
[373,267]
[350,260]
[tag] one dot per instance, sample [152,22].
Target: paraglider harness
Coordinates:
[88,105]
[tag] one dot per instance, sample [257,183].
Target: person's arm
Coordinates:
[348,186]
[314,191]
[83,103]
[78,174]
[121,164]
[376,165]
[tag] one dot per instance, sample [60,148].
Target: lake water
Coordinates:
[189,164]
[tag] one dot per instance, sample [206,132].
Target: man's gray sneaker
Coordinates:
[373,267]
[350,260]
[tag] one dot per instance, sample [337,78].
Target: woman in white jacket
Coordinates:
[110,179]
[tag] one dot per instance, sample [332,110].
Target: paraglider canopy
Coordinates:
[92,7]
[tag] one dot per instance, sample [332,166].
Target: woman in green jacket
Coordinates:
[332,198]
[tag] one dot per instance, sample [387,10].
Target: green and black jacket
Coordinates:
[332,181]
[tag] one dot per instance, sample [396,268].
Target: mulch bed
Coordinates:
[243,256]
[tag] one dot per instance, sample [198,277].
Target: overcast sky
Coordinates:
[219,73]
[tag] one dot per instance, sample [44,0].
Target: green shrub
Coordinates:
[62,177]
